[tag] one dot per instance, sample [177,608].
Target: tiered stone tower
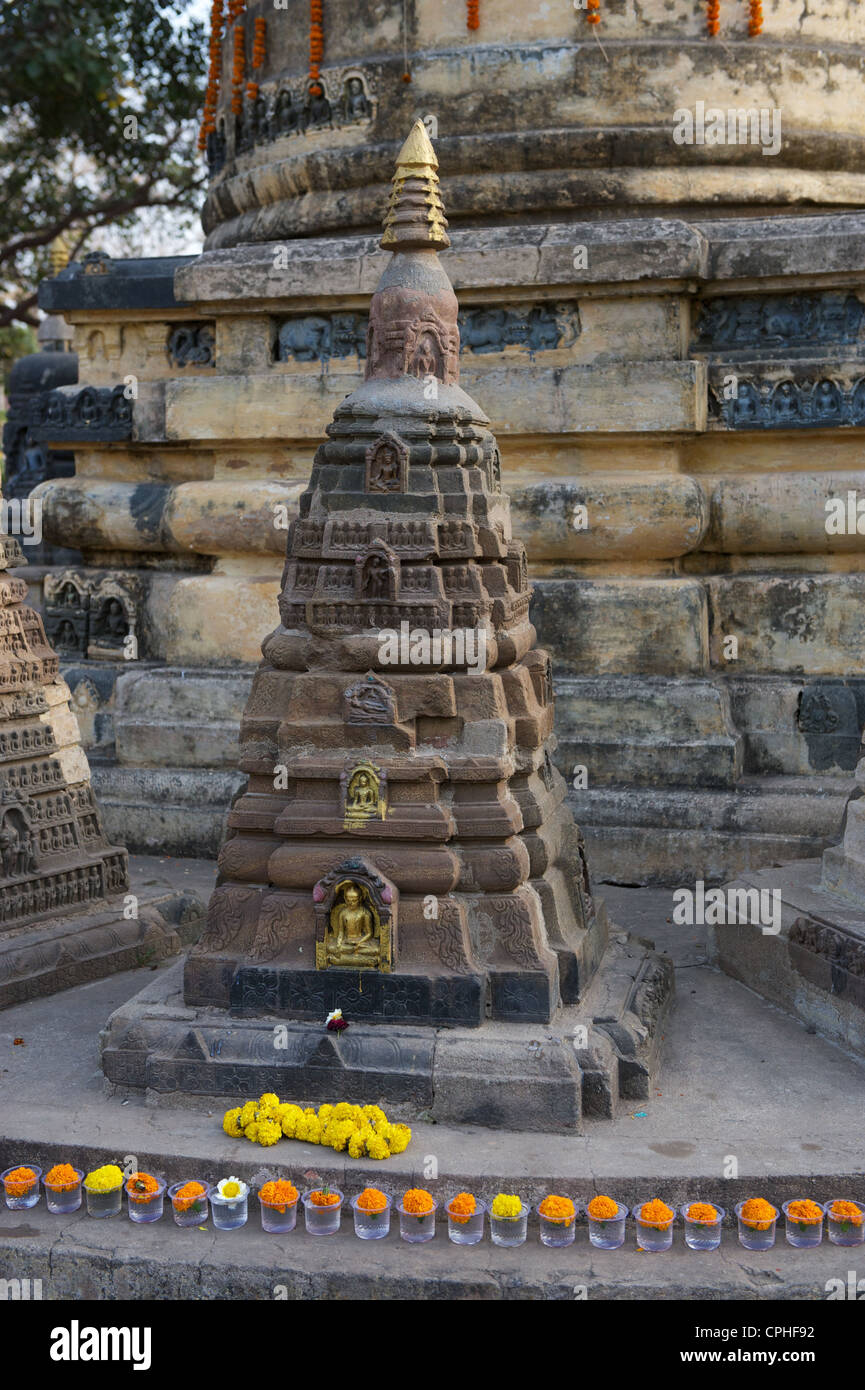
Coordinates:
[403,850]
[62,918]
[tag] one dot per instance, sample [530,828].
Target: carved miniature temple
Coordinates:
[403,850]
[64,918]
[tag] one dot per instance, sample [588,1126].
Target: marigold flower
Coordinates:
[320,1198]
[703,1211]
[602,1208]
[399,1138]
[847,1211]
[757,1213]
[279,1194]
[186,1196]
[418,1201]
[559,1209]
[61,1176]
[247,1114]
[19,1182]
[656,1213]
[506,1204]
[104,1179]
[371,1199]
[805,1211]
[462,1207]
[231,1123]
[377,1148]
[141,1187]
[269,1131]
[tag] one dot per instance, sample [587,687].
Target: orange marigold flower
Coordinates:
[279,1194]
[757,1213]
[558,1209]
[62,1175]
[656,1213]
[846,1211]
[593,8]
[462,1206]
[141,1187]
[702,1211]
[324,1199]
[602,1208]
[418,1201]
[19,1182]
[371,1199]
[185,1196]
[804,1211]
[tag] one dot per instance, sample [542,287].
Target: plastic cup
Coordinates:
[756,1235]
[417,1228]
[703,1235]
[466,1230]
[188,1213]
[145,1207]
[845,1230]
[64,1198]
[654,1236]
[558,1230]
[278,1219]
[804,1235]
[509,1230]
[371,1225]
[322,1221]
[608,1232]
[23,1194]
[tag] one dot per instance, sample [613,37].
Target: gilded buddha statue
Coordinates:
[353,937]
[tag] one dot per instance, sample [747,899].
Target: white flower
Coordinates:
[334,1013]
[232,1189]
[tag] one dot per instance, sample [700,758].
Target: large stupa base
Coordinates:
[551,1077]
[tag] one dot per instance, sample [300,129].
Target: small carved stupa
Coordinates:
[62,916]
[403,850]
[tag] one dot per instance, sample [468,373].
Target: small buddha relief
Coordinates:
[387,464]
[364,788]
[369,701]
[355,909]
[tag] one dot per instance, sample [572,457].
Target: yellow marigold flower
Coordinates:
[399,1138]
[268,1112]
[375,1114]
[290,1115]
[357,1145]
[325,1112]
[376,1147]
[357,1115]
[342,1111]
[269,1131]
[269,1101]
[231,1123]
[251,1132]
[506,1204]
[247,1114]
[104,1179]
[311,1113]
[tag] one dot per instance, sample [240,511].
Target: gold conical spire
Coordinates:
[415,217]
[59,255]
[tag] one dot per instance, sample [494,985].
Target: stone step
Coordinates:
[78,1258]
[158,810]
[645,835]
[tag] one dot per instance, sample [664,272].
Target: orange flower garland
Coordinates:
[238,70]
[593,11]
[258,47]
[713,16]
[755,18]
[473,18]
[211,94]
[252,90]
[316,43]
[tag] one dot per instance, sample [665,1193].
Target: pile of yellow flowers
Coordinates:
[361,1131]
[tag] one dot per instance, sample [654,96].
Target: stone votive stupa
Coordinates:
[403,850]
[66,915]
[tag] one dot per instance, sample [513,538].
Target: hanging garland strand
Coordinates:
[238,70]
[473,17]
[211,95]
[713,16]
[593,11]
[316,44]
[755,18]
[258,49]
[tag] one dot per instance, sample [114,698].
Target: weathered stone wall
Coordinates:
[608,388]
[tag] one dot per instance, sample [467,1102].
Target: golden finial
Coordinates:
[415,217]
[59,255]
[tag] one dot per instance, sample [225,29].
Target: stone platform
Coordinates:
[592,1059]
[42,958]
[814,968]
[738,1080]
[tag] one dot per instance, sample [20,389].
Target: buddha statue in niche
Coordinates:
[354,929]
